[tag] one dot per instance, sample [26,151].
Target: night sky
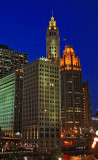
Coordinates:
[23,25]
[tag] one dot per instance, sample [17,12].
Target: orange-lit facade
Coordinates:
[69,61]
[87,107]
[71,93]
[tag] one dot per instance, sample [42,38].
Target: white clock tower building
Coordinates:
[52,40]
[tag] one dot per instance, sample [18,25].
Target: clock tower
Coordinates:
[52,40]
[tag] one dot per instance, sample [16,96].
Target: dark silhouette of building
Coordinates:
[11,60]
[87,107]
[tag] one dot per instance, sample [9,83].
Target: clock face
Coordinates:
[52,41]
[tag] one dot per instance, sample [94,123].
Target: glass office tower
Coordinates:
[11,103]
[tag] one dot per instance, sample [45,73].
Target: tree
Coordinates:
[15,155]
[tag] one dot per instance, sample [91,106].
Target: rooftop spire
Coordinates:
[52,13]
[52,22]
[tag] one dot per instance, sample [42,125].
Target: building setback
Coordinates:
[71,93]
[87,107]
[11,60]
[41,115]
[11,88]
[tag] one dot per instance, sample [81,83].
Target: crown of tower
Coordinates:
[69,60]
[52,23]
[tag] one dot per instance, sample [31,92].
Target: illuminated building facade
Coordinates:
[41,104]
[52,40]
[71,93]
[11,60]
[11,88]
[87,107]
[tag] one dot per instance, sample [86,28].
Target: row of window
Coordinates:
[52,33]
[49,124]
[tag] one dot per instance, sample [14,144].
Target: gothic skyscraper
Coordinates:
[52,40]
[71,93]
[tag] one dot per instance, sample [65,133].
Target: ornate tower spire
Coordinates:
[52,22]
[52,40]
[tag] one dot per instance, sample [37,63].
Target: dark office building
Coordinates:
[87,107]
[11,60]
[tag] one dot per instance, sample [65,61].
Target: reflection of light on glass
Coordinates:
[25,158]
[60,159]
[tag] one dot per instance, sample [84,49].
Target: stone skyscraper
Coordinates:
[41,112]
[52,40]
[41,96]
[71,93]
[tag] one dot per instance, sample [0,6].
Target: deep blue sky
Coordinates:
[23,25]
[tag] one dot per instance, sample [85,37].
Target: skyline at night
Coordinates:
[24,25]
